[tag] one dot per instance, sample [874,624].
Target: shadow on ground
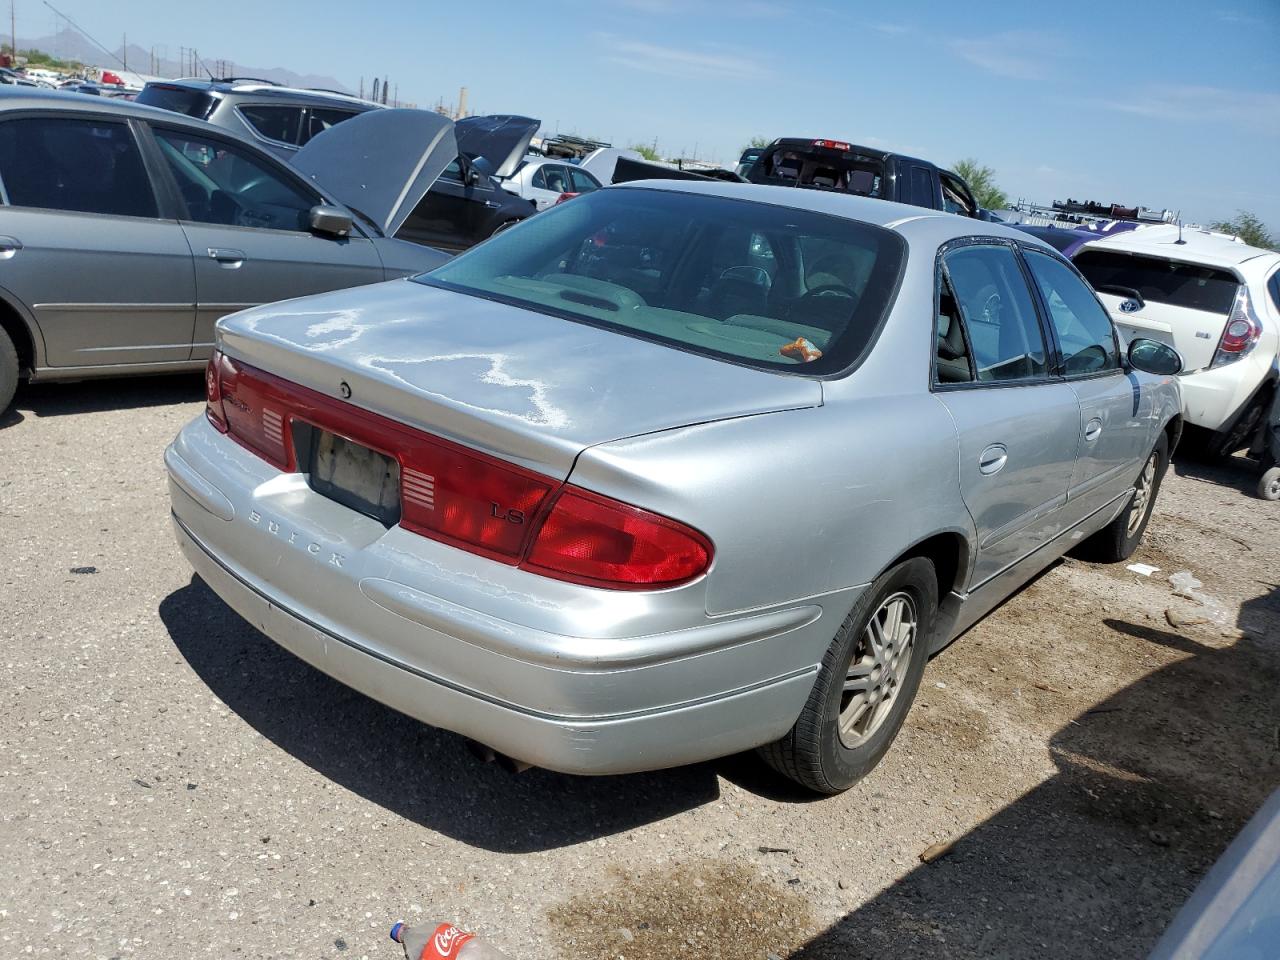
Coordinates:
[421,773]
[1238,472]
[1152,785]
[95,396]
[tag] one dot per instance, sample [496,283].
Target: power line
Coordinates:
[84,33]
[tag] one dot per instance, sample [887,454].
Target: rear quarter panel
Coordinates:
[799,503]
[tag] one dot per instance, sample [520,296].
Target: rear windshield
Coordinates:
[754,283]
[1159,280]
[820,168]
[179,99]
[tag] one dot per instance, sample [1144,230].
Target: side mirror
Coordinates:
[330,220]
[1152,356]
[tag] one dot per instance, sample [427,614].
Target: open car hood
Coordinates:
[501,139]
[380,163]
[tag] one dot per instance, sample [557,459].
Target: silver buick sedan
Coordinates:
[671,471]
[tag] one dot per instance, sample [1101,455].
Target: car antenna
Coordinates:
[1179,240]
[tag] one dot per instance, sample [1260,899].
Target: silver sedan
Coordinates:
[672,471]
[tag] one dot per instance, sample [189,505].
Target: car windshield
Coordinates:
[765,285]
[1189,285]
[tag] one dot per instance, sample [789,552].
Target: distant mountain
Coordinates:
[70,44]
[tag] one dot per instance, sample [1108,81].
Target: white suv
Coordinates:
[1215,300]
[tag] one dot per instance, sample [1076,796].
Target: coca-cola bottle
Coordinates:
[445,942]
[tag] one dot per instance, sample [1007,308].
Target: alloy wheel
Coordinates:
[878,669]
[1141,496]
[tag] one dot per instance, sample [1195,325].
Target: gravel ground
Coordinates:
[173,784]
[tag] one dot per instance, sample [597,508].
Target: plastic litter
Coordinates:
[1145,569]
[1186,585]
[445,942]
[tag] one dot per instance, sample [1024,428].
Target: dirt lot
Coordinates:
[173,784]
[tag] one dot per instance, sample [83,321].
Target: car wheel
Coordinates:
[1269,485]
[866,684]
[1241,433]
[1118,539]
[8,370]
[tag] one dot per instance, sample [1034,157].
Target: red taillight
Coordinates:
[1241,333]
[213,393]
[465,498]
[563,197]
[590,539]
[832,144]
[255,409]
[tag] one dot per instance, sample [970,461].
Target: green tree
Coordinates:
[646,151]
[982,181]
[755,143]
[1249,228]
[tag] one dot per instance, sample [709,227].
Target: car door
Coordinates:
[445,216]
[540,193]
[85,245]
[1017,426]
[1116,424]
[246,218]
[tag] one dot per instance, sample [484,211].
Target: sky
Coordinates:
[1161,103]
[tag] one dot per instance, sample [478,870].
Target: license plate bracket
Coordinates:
[355,476]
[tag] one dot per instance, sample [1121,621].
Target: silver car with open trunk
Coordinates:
[671,471]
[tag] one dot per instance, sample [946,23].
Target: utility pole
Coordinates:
[124,49]
[13,32]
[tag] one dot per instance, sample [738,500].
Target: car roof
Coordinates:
[266,87]
[1197,246]
[882,213]
[31,98]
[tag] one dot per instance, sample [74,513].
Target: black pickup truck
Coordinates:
[847,168]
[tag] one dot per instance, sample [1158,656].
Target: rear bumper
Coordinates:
[462,643]
[1213,398]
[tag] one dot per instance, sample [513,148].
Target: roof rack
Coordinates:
[336,93]
[271,83]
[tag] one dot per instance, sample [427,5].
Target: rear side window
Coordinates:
[759,284]
[320,119]
[998,312]
[921,187]
[1084,330]
[179,99]
[273,122]
[583,182]
[85,166]
[1273,285]
[1189,285]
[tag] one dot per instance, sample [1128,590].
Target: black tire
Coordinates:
[814,753]
[8,370]
[1118,539]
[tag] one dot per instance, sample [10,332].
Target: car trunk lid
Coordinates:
[529,388]
[380,163]
[501,139]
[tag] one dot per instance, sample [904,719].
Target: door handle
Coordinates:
[227,256]
[1093,430]
[9,246]
[992,460]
